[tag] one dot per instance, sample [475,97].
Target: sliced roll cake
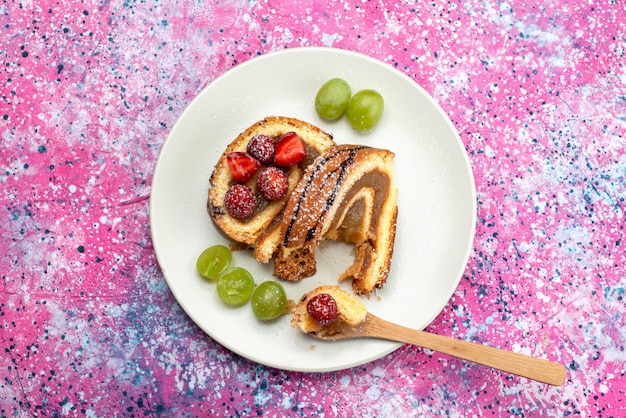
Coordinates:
[346,194]
[256,227]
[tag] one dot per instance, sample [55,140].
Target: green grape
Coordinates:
[268,300]
[365,109]
[213,261]
[332,99]
[235,286]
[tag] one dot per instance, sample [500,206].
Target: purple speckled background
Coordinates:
[89,93]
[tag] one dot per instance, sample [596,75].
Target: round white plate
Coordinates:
[436,201]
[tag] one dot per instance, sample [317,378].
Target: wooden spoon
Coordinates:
[519,364]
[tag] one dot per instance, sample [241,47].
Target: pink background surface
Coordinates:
[89,93]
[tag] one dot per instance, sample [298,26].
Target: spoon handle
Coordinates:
[519,364]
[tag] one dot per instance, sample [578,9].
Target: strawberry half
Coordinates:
[289,150]
[242,165]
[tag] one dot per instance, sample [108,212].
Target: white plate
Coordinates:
[436,200]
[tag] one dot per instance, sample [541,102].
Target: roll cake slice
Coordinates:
[346,194]
[259,231]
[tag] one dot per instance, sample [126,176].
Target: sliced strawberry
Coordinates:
[242,165]
[289,150]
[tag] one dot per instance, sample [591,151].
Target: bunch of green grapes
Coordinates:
[364,109]
[235,285]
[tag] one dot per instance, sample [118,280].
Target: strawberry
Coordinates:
[289,150]
[262,148]
[273,183]
[242,165]
[322,308]
[240,201]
